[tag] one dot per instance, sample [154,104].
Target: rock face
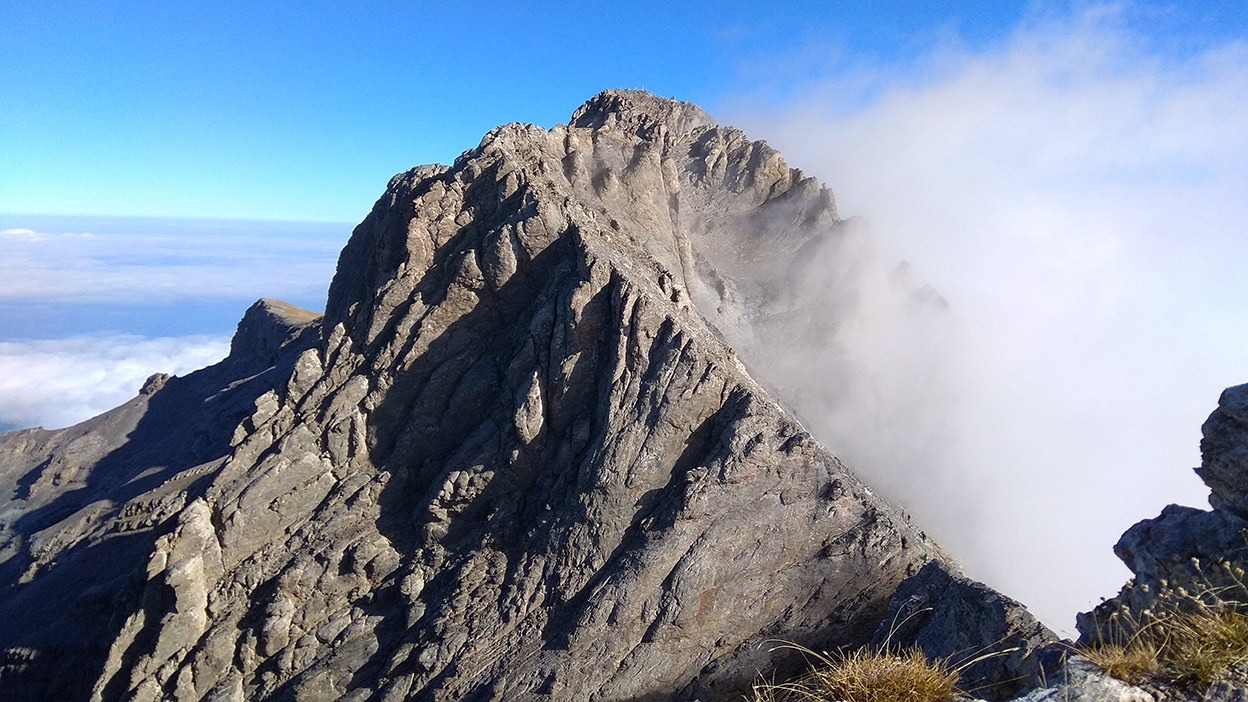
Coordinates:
[517,459]
[991,638]
[1224,452]
[1184,546]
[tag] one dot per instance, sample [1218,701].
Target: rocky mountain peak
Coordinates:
[639,112]
[715,214]
[519,458]
[266,328]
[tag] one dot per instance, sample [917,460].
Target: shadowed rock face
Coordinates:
[989,638]
[1224,452]
[1185,546]
[82,508]
[519,462]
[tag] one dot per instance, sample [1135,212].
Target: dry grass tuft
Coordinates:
[1190,635]
[1134,662]
[866,675]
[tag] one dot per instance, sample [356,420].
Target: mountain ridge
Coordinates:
[516,459]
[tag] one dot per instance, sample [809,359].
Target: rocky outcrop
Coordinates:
[1199,550]
[517,459]
[991,639]
[1183,561]
[1224,452]
[271,329]
[1188,562]
[1076,679]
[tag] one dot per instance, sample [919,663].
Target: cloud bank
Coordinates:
[90,307]
[56,383]
[1077,195]
[127,261]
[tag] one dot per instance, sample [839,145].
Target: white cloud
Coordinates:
[167,260]
[57,383]
[133,270]
[1080,203]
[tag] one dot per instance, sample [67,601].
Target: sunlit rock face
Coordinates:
[518,458]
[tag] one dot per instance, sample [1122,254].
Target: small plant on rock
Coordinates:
[1190,635]
[866,675]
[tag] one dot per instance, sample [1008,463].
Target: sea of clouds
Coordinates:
[58,382]
[90,307]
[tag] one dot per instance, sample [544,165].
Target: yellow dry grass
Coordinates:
[1190,635]
[866,675]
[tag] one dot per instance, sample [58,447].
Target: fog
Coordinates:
[1079,202]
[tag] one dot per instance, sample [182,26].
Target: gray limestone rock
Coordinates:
[1186,554]
[518,459]
[1078,680]
[1224,452]
[1185,546]
[990,637]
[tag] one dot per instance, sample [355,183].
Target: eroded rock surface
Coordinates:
[520,461]
[992,639]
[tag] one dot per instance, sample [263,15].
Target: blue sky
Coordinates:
[296,110]
[293,111]
[1072,178]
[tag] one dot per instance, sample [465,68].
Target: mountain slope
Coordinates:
[82,507]
[521,461]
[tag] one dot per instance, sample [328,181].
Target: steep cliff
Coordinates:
[517,459]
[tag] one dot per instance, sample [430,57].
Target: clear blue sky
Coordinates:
[283,110]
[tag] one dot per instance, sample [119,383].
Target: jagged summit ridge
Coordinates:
[639,111]
[690,197]
[516,459]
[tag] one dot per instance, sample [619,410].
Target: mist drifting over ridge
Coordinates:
[1078,200]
